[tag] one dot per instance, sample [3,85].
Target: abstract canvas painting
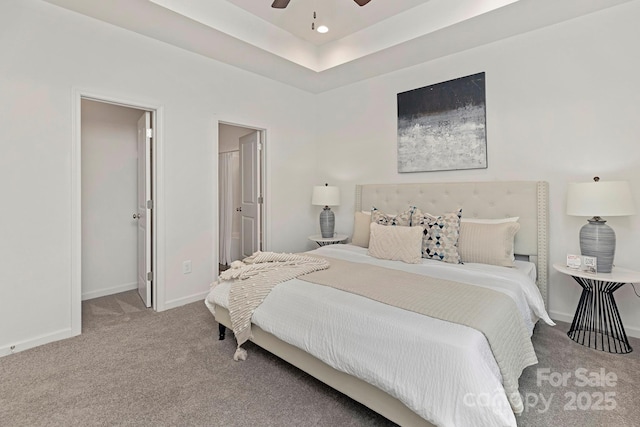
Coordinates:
[442,126]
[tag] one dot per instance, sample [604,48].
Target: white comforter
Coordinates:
[443,371]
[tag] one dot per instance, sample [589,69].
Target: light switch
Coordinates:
[186,267]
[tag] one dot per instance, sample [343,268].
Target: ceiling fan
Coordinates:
[281,4]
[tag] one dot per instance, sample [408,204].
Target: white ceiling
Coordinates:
[363,42]
[343,17]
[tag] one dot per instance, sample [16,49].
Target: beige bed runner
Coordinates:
[490,312]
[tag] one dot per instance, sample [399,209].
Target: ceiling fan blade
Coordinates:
[280,4]
[362,2]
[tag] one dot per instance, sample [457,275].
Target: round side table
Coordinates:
[323,241]
[597,322]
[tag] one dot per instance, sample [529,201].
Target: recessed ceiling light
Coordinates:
[323,29]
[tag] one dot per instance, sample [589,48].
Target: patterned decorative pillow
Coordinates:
[402,219]
[440,235]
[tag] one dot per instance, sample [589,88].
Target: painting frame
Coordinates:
[442,127]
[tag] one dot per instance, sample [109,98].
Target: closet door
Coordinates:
[249,193]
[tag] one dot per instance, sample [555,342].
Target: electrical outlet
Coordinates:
[186,267]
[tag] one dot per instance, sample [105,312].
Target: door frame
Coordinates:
[264,207]
[157,179]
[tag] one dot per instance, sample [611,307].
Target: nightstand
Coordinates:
[597,322]
[322,241]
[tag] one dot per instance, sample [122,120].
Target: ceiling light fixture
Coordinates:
[321,28]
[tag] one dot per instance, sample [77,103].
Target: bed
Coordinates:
[455,363]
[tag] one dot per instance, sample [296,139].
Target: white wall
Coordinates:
[109,198]
[229,137]
[562,106]
[47,52]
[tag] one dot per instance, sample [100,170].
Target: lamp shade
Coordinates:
[608,198]
[324,195]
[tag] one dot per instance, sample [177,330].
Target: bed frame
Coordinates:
[497,199]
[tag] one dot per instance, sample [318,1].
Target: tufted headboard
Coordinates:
[492,199]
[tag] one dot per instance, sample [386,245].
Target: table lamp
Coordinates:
[324,195]
[597,198]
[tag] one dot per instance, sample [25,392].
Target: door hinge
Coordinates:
[149,204]
[259,146]
[149,133]
[260,200]
[150,275]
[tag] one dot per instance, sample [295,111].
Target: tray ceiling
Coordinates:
[363,42]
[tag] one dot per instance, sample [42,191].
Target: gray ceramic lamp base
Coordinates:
[327,222]
[597,239]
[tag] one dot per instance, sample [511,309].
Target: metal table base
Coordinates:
[597,322]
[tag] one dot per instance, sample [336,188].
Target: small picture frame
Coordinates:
[587,264]
[590,264]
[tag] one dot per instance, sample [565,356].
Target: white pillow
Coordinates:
[361,223]
[397,243]
[492,221]
[487,243]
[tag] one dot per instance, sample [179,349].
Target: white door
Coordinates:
[144,208]
[250,193]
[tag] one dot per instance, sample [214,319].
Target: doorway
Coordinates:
[157,179]
[116,204]
[241,156]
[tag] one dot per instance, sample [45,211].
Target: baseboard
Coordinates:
[109,291]
[35,342]
[562,317]
[185,300]
[568,318]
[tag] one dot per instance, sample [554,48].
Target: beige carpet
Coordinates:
[134,367]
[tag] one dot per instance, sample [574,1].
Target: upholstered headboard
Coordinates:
[494,199]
